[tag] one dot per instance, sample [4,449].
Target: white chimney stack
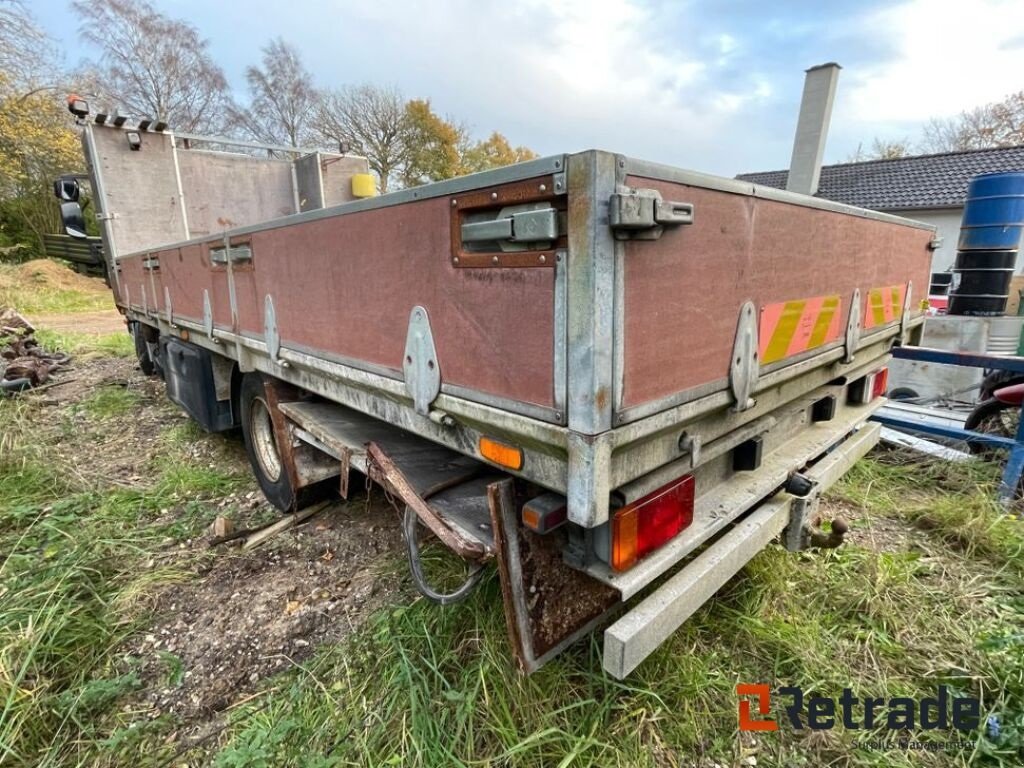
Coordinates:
[812,128]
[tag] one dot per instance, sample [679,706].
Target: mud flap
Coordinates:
[548,605]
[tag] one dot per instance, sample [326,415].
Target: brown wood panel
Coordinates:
[345,286]
[185,273]
[683,292]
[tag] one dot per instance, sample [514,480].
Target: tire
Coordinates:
[261,446]
[992,417]
[903,393]
[146,362]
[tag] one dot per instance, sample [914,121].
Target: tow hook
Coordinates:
[833,538]
[804,529]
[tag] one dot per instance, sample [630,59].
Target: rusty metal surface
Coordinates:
[386,472]
[684,291]
[494,198]
[548,605]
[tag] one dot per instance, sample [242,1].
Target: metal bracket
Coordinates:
[744,368]
[797,536]
[691,444]
[167,304]
[935,244]
[270,334]
[905,317]
[207,314]
[642,214]
[853,328]
[514,227]
[422,371]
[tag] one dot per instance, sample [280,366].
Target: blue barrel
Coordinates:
[994,214]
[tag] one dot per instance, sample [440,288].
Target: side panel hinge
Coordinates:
[642,214]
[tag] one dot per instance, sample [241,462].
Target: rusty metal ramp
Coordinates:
[446,490]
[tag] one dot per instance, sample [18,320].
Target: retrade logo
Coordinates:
[818,713]
[764,706]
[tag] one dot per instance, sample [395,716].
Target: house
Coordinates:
[928,188]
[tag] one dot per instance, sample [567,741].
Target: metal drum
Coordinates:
[994,213]
[981,282]
[940,283]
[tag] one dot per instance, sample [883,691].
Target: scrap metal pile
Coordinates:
[23,363]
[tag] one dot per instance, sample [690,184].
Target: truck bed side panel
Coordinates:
[344,286]
[683,292]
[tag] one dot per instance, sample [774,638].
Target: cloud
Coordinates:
[948,57]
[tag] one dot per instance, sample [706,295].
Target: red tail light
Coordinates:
[880,383]
[641,527]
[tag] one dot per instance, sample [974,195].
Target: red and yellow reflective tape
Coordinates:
[884,305]
[791,327]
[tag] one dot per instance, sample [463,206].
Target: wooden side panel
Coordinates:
[344,286]
[683,292]
[185,273]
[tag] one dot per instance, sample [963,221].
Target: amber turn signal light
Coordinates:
[501,453]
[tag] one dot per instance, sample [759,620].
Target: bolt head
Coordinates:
[494,195]
[543,187]
[543,259]
[454,202]
[495,260]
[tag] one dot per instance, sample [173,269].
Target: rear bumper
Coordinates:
[635,635]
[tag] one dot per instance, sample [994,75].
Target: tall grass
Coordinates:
[76,568]
[428,687]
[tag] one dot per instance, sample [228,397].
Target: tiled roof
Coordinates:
[921,181]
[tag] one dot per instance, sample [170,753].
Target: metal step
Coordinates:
[446,489]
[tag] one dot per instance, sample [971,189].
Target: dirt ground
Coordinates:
[102,321]
[235,617]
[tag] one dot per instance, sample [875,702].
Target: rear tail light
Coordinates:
[641,527]
[864,390]
[880,383]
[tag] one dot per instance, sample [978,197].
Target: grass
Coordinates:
[938,599]
[87,344]
[79,564]
[430,687]
[43,287]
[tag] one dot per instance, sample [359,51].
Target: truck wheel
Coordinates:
[261,445]
[146,362]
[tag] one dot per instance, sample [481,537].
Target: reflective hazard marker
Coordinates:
[884,305]
[791,327]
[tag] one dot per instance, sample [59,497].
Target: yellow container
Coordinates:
[364,185]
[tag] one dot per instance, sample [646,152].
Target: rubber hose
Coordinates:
[416,566]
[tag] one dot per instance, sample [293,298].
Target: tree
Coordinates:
[36,145]
[153,65]
[431,145]
[372,120]
[881,149]
[284,98]
[37,142]
[494,152]
[999,124]
[22,46]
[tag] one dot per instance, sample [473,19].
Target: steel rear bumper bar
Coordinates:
[638,633]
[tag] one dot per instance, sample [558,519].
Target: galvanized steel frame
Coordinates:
[577,448]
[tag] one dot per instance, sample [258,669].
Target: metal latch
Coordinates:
[642,214]
[514,226]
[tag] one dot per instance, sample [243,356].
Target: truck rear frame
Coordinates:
[604,319]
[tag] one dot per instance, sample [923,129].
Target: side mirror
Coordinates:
[74,221]
[66,189]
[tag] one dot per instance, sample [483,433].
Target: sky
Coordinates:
[709,86]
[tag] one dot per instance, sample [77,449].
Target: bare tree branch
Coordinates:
[284,99]
[153,65]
